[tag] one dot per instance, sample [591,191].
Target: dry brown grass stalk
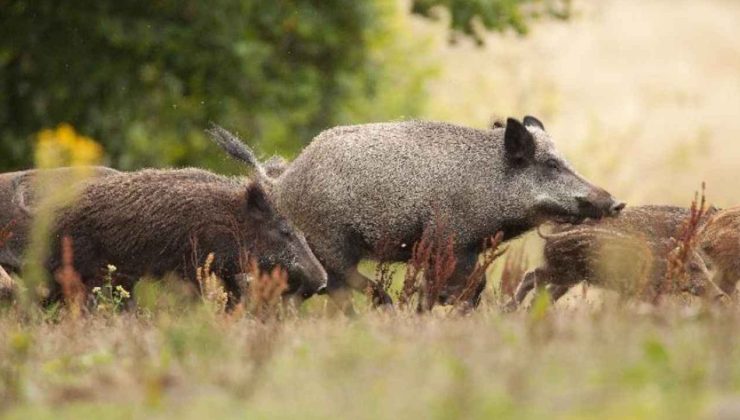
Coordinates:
[684,244]
[265,292]
[73,289]
[431,266]
[211,287]
[6,232]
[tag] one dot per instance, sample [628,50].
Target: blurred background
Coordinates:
[642,96]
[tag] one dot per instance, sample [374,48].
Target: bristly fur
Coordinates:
[628,253]
[154,222]
[354,184]
[20,194]
[719,242]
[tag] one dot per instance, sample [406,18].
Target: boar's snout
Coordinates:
[313,278]
[599,203]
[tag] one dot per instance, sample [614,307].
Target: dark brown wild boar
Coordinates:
[628,253]
[154,222]
[20,193]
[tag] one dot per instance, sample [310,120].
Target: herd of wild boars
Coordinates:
[356,189]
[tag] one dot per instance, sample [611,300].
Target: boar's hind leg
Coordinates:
[535,279]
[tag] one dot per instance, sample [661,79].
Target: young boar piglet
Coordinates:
[628,253]
[719,244]
[154,222]
[357,187]
[20,193]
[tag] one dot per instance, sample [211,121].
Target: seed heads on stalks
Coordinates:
[73,290]
[431,266]
[684,244]
[211,287]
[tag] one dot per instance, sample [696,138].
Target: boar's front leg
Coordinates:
[528,283]
[557,291]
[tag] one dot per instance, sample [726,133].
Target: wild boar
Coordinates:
[154,222]
[628,253]
[355,187]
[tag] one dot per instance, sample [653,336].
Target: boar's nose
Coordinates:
[599,203]
[308,289]
[617,207]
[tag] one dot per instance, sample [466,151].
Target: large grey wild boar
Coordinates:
[20,193]
[628,253]
[355,187]
[154,222]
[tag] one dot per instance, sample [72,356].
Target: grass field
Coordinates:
[616,362]
[643,99]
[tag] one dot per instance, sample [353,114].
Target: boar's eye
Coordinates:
[552,164]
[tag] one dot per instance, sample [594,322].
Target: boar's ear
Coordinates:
[496,123]
[257,199]
[530,121]
[518,142]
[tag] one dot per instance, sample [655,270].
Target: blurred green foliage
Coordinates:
[472,17]
[144,78]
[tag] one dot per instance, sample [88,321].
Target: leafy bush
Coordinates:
[146,77]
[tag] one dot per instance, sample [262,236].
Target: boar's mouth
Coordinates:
[584,209]
[569,219]
[553,212]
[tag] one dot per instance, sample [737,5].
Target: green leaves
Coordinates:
[471,17]
[145,78]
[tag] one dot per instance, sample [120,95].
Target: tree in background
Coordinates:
[146,77]
[473,17]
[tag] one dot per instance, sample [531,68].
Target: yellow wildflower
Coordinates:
[63,146]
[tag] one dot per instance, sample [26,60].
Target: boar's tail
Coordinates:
[236,148]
